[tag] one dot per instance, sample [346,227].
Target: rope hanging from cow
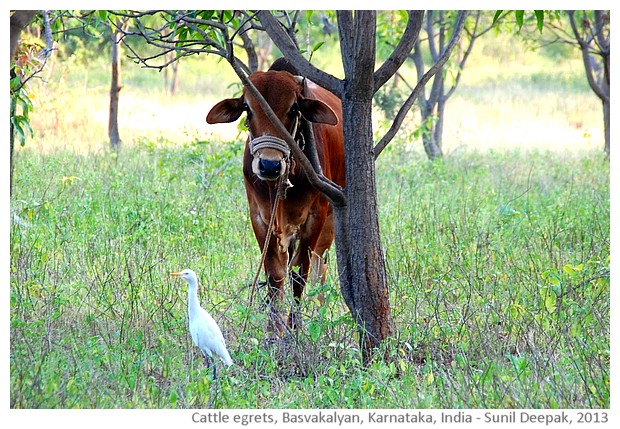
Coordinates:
[283,185]
[300,135]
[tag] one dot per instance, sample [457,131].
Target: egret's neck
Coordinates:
[192,298]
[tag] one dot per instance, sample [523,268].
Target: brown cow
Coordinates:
[304,217]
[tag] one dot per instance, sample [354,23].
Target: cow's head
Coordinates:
[283,92]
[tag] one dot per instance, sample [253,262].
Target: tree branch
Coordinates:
[400,116]
[431,37]
[472,39]
[49,40]
[585,53]
[602,41]
[284,42]
[401,51]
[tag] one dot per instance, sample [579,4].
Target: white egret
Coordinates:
[205,332]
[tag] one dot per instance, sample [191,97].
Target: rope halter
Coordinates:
[269,142]
[272,142]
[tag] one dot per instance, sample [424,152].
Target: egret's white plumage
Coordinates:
[205,332]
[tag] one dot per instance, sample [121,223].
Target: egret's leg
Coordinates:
[210,361]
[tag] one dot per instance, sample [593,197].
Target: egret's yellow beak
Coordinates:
[175,274]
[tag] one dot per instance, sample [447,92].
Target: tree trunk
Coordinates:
[606,118]
[12,144]
[175,78]
[432,147]
[433,136]
[115,88]
[366,280]
[18,21]
[606,104]
[171,78]
[592,55]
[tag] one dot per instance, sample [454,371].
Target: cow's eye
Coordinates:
[247,109]
[294,109]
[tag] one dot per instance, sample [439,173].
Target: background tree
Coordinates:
[589,31]
[438,27]
[586,30]
[19,20]
[361,264]
[171,76]
[24,65]
[117,27]
[33,57]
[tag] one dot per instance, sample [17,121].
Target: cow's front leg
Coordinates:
[276,269]
[298,281]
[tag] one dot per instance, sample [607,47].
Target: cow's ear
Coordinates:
[227,110]
[317,111]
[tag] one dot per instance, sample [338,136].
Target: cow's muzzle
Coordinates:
[270,155]
[268,168]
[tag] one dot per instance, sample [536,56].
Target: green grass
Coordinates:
[498,267]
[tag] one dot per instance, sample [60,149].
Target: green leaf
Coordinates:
[21,127]
[18,130]
[519,18]
[540,19]
[26,123]
[181,35]
[497,15]
[572,270]
[430,378]
[315,329]
[56,25]
[568,269]
[488,373]
[24,102]
[552,276]
[549,298]
[173,398]
[317,46]
[402,364]
[575,330]
[15,82]
[206,14]
[103,15]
